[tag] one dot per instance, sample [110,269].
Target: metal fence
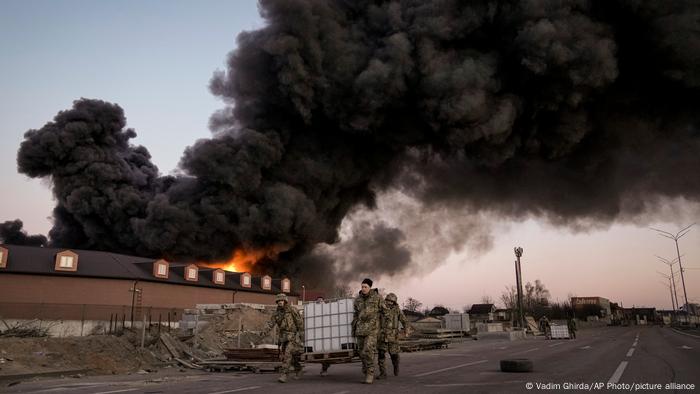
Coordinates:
[89,318]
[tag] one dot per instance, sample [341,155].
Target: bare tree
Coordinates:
[412,304]
[487,299]
[341,291]
[509,298]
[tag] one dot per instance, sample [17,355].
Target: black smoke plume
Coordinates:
[573,111]
[11,232]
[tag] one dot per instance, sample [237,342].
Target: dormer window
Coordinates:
[286,285]
[3,257]
[266,282]
[160,269]
[191,273]
[66,261]
[219,277]
[245,279]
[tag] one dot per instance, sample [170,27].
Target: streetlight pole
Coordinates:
[675,239]
[669,288]
[519,282]
[673,276]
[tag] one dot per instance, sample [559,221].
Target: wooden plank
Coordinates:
[167,341]
[188,364]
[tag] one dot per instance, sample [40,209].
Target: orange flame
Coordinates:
[243,260]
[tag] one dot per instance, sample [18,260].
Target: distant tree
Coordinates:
[438,310]
[487,299]
[341,291]
[412,304]
[509,298]
[535,295]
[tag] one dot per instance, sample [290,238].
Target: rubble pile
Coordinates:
[238,327]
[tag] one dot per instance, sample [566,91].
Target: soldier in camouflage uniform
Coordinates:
[365,326]
[389,334]
[291,336]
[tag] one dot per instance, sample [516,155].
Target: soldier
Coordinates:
[291,336]
[365,326]
[389,334]
[571,323]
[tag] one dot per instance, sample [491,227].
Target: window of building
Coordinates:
[66,261]
[191,273]
[286,285]
[245,279]
[266,282]
[160,269]
[3,257]
[219,277]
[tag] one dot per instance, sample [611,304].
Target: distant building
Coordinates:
[86,284]
[598,306]
[483,313]
[640,315]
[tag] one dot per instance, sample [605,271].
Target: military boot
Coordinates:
[369,378]
[283,378]
[395,362]
[299,373]
[382,371]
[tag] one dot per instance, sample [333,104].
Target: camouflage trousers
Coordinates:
[367,348]
[290,355]
[383,348]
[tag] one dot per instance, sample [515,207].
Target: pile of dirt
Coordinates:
[101,354]
[233,328]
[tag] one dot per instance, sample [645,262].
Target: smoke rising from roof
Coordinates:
[572,111]
[11,232]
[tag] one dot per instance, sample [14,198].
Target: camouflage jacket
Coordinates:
[367,310]
[289,322]
[391,317]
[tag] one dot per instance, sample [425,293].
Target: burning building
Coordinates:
[40,282]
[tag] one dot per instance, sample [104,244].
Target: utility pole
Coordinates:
[519,283]
[675,239]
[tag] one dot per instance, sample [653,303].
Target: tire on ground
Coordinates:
[516,365]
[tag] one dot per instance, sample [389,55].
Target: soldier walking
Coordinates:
[291,336]
[389,334]
[365,326]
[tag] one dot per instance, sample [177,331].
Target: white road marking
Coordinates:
[237,390]
[447,369]
[618,372]
[557,344]
[685,347]
[634,344]
[630,353]
[116,391]
[585,347]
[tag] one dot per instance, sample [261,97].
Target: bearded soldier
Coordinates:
[365,326]
[389,334]
[291,336]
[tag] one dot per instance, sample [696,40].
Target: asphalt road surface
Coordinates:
[610,359]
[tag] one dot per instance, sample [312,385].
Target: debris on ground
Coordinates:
[100,354]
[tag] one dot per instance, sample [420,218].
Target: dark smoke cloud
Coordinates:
[573,111]
[12,233]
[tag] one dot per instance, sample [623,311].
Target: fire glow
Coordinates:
[243,260]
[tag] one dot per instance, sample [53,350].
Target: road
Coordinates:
[612,357]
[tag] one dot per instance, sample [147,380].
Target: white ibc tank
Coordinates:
[328,325]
